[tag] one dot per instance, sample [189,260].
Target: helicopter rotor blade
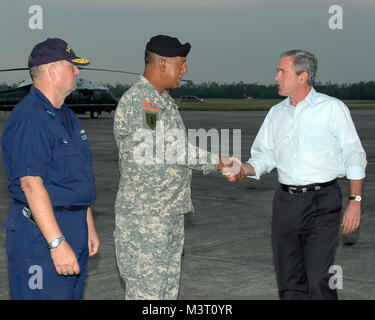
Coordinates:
[118,71]
[14,69]
[108,70]
[81,68]
[92,69]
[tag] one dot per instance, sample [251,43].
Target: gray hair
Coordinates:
[151,57]
[148,57]
[35,72]
[303,61]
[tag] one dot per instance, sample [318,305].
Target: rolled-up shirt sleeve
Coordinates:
[31,151]
[352,150]
[262,151]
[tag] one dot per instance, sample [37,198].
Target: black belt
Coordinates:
[309,187]
[73,208]
[27,212]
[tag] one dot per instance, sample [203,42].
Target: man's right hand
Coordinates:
[231,168]
[63,257]
[65,260]
[237,170]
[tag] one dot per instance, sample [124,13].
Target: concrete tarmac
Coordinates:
[227,252]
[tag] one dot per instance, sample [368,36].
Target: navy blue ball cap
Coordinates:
[51,50]
[167,46]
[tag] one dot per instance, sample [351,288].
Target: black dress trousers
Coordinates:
[305,230]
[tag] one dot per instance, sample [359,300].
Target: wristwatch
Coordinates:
[355,198]
[54,243]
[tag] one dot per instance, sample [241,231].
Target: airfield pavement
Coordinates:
[227,252]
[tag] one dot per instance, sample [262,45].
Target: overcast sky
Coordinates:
[232,40]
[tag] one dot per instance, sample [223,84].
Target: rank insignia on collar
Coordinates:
[50,113]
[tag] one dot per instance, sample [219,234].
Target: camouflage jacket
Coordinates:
[155,170]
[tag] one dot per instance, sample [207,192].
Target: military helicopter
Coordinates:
[88,96]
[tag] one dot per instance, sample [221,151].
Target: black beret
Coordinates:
[166,46]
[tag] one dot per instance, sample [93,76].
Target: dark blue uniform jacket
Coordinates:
[35,142]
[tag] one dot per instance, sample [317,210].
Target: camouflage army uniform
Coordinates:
[152,197]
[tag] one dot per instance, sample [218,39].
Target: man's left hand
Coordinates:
[94,244]
[94,241]
[352,218]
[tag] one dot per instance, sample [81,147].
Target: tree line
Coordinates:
[240,90]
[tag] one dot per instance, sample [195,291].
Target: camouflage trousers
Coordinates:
[148,253]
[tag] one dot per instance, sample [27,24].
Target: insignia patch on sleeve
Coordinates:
[151,119]
[150,114]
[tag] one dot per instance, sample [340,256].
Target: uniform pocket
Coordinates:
[68,167]
[126,256]
[65,150]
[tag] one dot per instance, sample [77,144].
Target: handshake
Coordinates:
[231,168]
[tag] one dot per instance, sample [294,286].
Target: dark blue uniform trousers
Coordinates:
[305,230]
[32,275]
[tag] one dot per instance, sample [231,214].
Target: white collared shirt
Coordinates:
[316,141]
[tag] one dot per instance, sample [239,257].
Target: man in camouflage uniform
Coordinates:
[154,193]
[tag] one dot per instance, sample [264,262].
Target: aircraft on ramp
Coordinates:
[88,96]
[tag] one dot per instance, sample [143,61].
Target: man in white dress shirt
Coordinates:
[311,139]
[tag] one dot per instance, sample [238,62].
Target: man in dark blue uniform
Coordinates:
[50,226]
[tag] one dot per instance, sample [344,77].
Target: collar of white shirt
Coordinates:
[311,99]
